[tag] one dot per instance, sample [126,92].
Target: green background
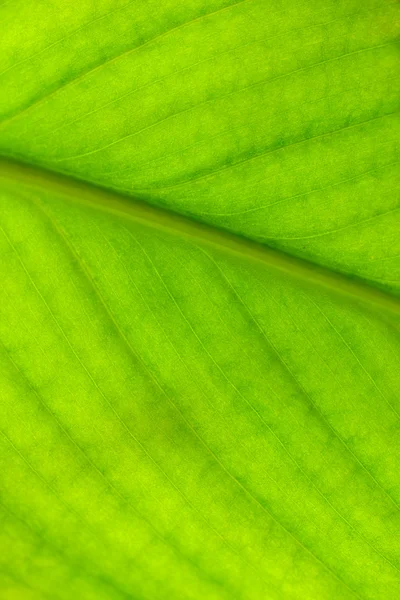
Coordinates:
[177,424]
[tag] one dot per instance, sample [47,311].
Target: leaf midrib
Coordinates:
[154,217]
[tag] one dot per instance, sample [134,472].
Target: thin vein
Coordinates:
[262,155]
[90,279]
[47,484]
[284,447]
[340,336]
[230,475]
[325,420]
[331,231]
[287,198]
[179,71]
[245,489]
[114,58]
[222,96]
[320,415]
[166,540]
[220,133]
[77,565]
[196,383]
[119,418]
[60,40]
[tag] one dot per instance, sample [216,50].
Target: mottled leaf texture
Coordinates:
[178,423]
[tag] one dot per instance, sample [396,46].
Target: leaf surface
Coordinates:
[178,423]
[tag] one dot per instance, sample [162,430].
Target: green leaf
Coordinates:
[177,421]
